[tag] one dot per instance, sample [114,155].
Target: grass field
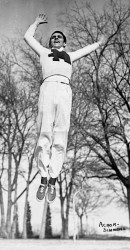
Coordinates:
[64,245]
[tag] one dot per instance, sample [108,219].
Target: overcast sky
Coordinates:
[17,15]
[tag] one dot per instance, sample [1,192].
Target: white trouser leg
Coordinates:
[58,153]
[42,153]
[53,123]
[45,120]
[61,128]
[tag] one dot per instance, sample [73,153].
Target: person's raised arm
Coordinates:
[87,49]
[29,35]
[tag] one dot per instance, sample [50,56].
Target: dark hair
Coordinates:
[57,31]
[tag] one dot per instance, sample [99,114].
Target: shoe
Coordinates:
[51,193]
[41,192]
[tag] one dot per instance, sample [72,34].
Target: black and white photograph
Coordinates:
[65,124]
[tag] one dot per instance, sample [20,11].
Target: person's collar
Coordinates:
[60,49]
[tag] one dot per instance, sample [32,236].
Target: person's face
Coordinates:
[57,41]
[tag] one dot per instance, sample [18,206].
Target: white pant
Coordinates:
[53,122]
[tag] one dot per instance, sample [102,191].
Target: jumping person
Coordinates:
[54,105]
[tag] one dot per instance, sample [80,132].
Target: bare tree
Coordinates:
[72,170]
[18,114]
[104,86]
[90,198]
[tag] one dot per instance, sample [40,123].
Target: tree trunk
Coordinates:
[3,233]
[43,224]
[15,222]
[62,219]
[25,217]
[81,224]
[86,216]
[26,201]
[64,232]
[15,214]
[128,197]
[9,203]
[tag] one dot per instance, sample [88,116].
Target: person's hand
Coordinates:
[41,19]
[102,40]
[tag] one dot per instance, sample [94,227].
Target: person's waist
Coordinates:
[57,78]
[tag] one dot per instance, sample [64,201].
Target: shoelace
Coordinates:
[52,189]
[42,189]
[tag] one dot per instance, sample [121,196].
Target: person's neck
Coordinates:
[60,49]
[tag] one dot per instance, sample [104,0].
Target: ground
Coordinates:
[64,244]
